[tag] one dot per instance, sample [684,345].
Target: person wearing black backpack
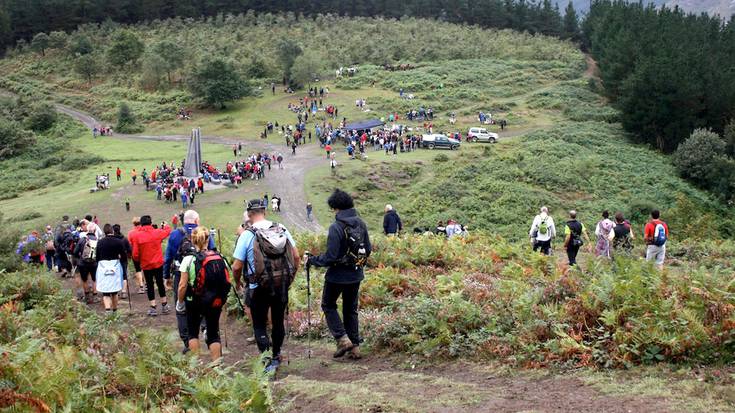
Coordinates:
[575,234]
[348,247]
[178,247]
[204,292]
[267,254]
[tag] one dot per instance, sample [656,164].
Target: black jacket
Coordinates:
[111,248]
[337,248]
[392,222]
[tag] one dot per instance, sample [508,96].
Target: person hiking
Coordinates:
[575,235]
[348,248]
[309,209]
[656,235]
[623,235]
[117,233]
[146,242]
[118,173]
[392,225]
[440,229]
[279,159]
[136,263]
[49,248]
[542,231]
[86,253]
[203,291]
[604,233]
[180,246]
[134,175]
[265,262]
[328,148]
[110,255]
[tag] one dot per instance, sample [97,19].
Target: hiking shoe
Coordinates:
[354,354]
[250,340]
[165,309]
[123,296]
[141,290]
[152,312]
[273,365]
[343,346]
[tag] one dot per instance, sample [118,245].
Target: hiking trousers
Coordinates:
[349,293]
[260,303]
[181,319]
[156,275]
[572,254]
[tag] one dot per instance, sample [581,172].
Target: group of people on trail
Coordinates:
[101,131]
[612,236]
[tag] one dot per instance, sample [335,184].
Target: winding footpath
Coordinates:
[288,183]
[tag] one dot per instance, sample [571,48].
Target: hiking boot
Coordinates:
[152,312]
[141,290]
[354,354]
[273,365]
[250,340]
[165,309]
[343,346]
[123,296]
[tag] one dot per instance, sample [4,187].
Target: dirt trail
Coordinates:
[288,183]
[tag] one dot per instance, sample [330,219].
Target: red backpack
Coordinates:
[209,279]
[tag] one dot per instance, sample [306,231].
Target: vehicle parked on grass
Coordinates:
[438,140]
[481,135]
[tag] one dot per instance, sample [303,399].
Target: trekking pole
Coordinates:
[127,285]
[308,306]
[225,329]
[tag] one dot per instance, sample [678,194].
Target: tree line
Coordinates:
[22,19]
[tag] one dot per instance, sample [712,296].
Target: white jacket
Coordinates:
[551,233]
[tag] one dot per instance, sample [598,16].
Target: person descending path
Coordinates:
[623,235]
[203,292]
[86,255]
[309,210]
[604,232]
[136,262]
[146,242]
[179,247]
[656,234]
[392,225]
[348,248]
[575,234]
[110,255]
[267,254]
[543,231]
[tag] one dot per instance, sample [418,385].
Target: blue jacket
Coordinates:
[174,242]
[392,222]
[338,273]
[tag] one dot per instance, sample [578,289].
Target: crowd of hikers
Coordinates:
[612,236]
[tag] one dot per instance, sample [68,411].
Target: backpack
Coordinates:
[575,228]
[357,251]
[275,259]
[659,235]
[209,279]
[543,227]
[69,242]
[89,253]
[186,247]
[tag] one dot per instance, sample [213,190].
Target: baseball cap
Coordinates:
[255,204]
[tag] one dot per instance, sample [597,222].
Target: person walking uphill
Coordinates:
[203,292]
[348,248]
[267,253]
[391,221]
[543,231]
[574,232]
[656,234]
[179,247]
[146,242]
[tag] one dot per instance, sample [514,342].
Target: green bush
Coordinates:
[441,158]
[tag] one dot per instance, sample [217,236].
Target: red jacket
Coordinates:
[146,242]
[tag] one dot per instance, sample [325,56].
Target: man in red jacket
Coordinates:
[146,242]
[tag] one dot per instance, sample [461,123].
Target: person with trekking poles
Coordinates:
[179,247]
[575,235]
[267,254]
[110,255]
[542,231]
[348,248]
[146,242]
[202,291]
[655,235]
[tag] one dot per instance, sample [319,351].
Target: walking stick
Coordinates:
[127,285]
[219,249]
[308,306]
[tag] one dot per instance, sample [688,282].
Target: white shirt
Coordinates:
[550,233]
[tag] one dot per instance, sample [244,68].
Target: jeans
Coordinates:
[572,254]
[349,293]
[157,275]
[50,257]
[261,301]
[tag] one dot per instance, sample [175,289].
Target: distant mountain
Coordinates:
[725,8]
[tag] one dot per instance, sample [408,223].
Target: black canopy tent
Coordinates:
[364,125]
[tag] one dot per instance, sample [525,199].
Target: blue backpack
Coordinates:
[659,235]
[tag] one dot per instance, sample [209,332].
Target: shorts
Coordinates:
[654,252]
[136,264]
[86,270]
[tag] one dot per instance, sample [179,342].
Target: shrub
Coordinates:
[126,122]
[217,82]
[695,157]
[14,139]
[42,117]
[441,158]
